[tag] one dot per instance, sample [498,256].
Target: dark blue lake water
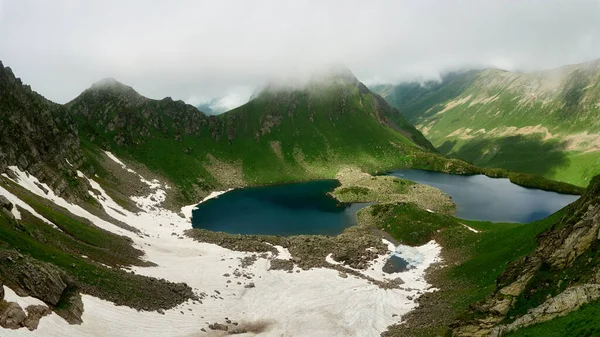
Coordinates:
[305,208]
[482,198]
[289,209]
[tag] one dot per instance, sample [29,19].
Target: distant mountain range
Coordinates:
[543,122]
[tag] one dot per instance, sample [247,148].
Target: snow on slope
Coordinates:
[317,302]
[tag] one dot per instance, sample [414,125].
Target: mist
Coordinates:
[199,50]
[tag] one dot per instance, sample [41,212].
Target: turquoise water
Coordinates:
[289,209]
[479,197]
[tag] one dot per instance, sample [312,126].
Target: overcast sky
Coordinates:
[193,50]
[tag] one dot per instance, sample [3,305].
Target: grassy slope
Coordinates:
[277,137]
[65,249]
[475,259]
[581,323]
[565,101]
[280,136]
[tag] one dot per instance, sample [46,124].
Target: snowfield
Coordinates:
[316,302]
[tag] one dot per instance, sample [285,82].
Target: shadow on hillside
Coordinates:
[528,154]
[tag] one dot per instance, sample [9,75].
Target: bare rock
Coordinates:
[34,313]
[5,203]
[40,280]
[280,264]
[12,316]
[73,310]
[218,326]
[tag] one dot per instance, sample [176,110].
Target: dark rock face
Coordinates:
[38,136]
[37,279]
[4,203]
[74,309]
[569,247]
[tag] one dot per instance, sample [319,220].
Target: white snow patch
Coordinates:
[430,211]
[32,184]
[315,302]
[470,228]
[18,202]
[187,210]
[283,253]
[24,302]
[116,160]
[418,258]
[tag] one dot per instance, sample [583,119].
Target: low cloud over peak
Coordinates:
[191,49]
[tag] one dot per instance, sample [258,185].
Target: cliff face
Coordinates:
[38,136]
[560,276]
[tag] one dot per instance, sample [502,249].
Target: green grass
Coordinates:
[80,230]
[477,259]
[519,100]
[489,253]
[406,222]
[66,249]
[277,137]
[581,323]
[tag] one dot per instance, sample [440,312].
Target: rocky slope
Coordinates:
[562,275]
[543,122]
[38,136]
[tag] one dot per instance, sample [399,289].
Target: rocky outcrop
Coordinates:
[6,207]
[39,137]
[34,313]
[571,299]
[560,276]
[5,203]
[12,315]
[115,109]
[72,311]
[44,281]
[33,278]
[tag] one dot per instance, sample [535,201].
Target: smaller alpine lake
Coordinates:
[479,197]
[306,208]
[287,209]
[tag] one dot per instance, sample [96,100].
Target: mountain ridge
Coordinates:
[542,122]
[130,124]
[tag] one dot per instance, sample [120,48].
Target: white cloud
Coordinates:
[188,49]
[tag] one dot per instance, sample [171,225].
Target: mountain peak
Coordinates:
[337,75]
[110,83]
[110,86]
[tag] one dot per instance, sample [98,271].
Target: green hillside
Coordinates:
[284,134]
[543,122]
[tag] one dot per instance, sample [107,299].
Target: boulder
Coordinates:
[34,313]
[5,203]
[12,316]
[73,311]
